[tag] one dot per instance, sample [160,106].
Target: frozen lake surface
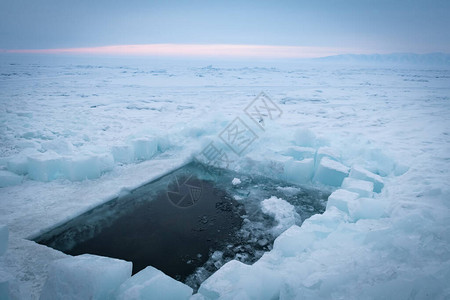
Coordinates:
[76,133]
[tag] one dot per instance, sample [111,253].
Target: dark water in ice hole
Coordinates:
[186,224]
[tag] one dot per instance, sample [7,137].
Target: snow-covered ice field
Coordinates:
[76,132]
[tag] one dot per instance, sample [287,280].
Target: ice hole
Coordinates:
[187,223]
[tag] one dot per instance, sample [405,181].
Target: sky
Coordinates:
[278,28]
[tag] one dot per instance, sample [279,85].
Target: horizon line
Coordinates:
[198,50]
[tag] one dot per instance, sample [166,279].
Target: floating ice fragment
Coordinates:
[299,153]
[19,163]
[45,166]
[8,179]
[123,153]
[88,166]
[361,173]
[330,172]
[270,164]
[151,283]
[144,148]
[85,277]
[293,241]
[263,242]
[236,181]
[326,152]
[299,171]
[298,239]
[50,166]
[236,280]
[282,211]
[340,199]
[367,208]
[361,187]
[304,137]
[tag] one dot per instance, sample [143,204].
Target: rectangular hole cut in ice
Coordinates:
[188,223]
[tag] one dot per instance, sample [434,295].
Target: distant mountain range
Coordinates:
[394,58]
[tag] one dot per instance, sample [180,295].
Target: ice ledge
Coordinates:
[29,215]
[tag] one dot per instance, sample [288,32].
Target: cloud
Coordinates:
[198,50]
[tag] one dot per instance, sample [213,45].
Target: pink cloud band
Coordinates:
[197,50]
